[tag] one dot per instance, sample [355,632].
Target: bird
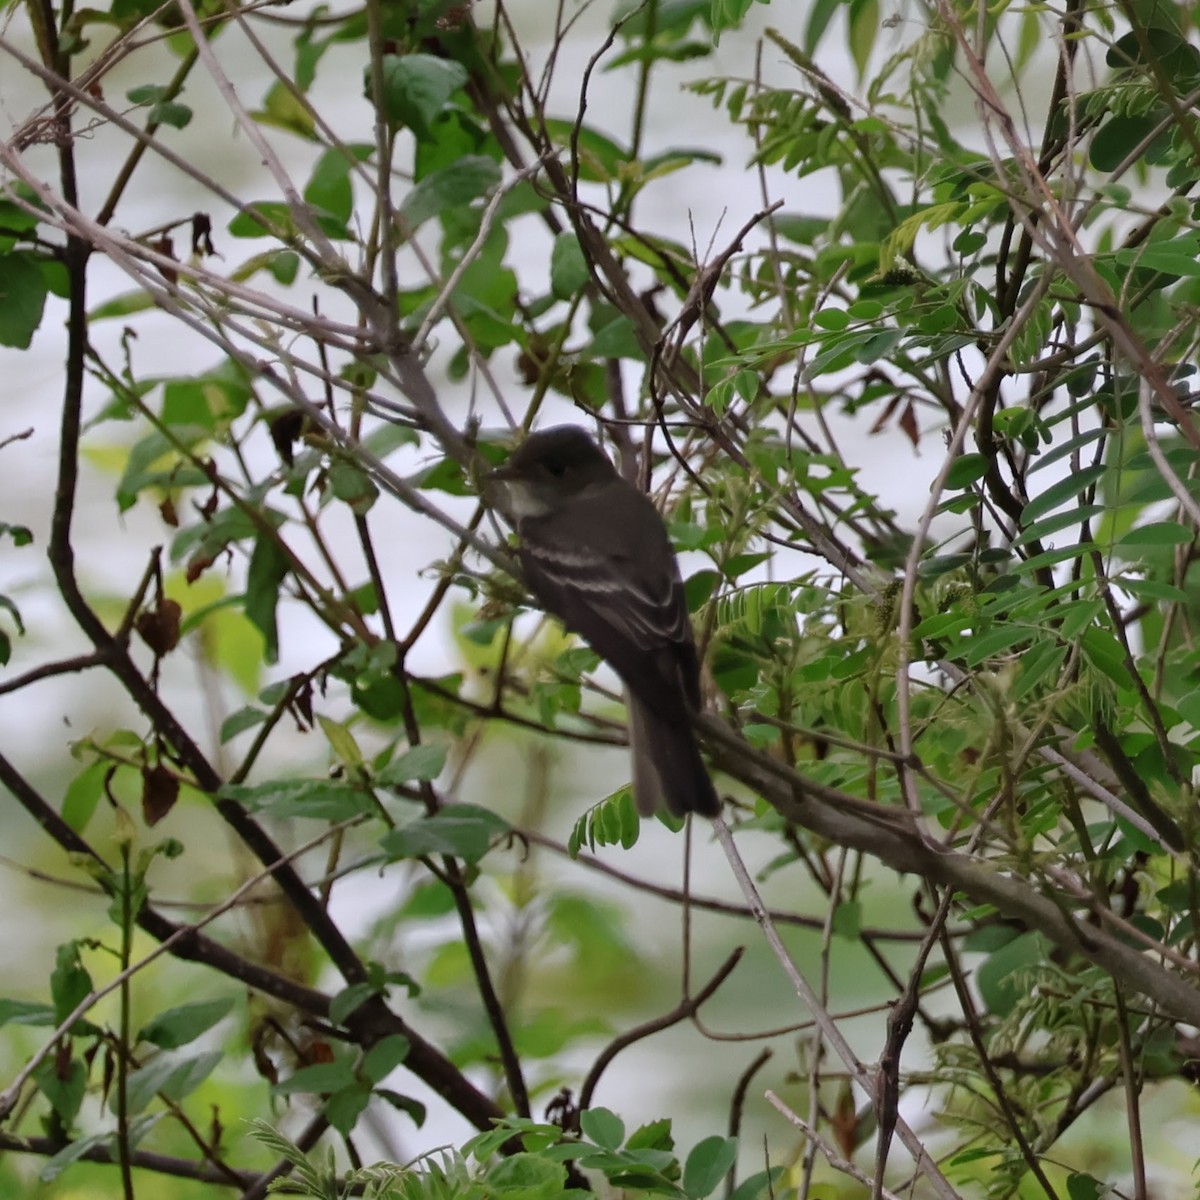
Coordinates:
[596,554]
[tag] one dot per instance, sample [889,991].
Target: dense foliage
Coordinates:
[919,412]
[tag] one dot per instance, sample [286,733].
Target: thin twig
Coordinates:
[835,1160]
[686,1008]
[862,1075]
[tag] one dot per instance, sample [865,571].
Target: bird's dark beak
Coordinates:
[501,474]
[494,488]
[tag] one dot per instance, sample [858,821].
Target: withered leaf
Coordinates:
[159,627]
[160,790]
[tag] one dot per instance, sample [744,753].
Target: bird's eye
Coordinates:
[555,466]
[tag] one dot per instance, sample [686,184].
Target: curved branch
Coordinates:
[681,1012]
[161,1164]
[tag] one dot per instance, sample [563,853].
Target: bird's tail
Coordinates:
[667,767]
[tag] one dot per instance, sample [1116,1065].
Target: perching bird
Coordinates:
[596,554]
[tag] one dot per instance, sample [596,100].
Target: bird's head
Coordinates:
[550,468]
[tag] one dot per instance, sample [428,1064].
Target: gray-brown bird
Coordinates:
[596,554]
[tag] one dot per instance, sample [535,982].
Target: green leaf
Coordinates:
[727,14]
[264,218]
[70,982]
[329,186]
[1085,1187]
[603,1127]
[864,25]
[1056,521]
[268,568]
[14,220]
[654,1135]
[382,697]
[72,1153]
[707,1165]
[83,794]
[1119,135]
[156,462]
[1061,450]
[21,535]
[124,305]
[600,158]
[977,1154]
[1157,533]
[760,1186]
[847,920]
[209,401]
[569,271]
[145,93]
[1151,589]
[432,899]
[455,135]
[384,1057]
[1040,660]
[1050,557]
[424,762]
[25,1012]
[174,1077]
[240,721]
[526,1177]
[968,242]
[341,740]
[699,588]
[659,50]
[169,112]
[1060,492]
[445,475]
[345,1106]
[612,822]
[349,999]
[1153,44]
[617,339]
[942,624]
[1004,977]
[6,605]
[738,564]
[317,799]
[1174,256]
[283,265]
[819,16]
[320,1077]
[462,830]
[451,187]
[1104,652]
[178,1026]
[966,468]
[798,228]
[995,642]
[284,110]
[866,310]
[353,486]
[64,1085]
[22,299]
[835,319]
[676,159]
[416,87]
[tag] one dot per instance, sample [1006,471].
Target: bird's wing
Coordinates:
[628,604]
[580,584]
